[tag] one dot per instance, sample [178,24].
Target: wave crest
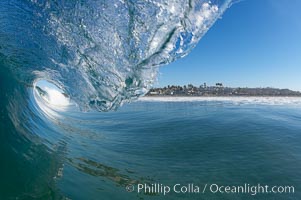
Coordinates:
[103,53]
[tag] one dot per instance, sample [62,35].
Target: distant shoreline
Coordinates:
[219,90]
[169,96]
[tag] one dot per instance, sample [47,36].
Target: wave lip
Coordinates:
[101,53]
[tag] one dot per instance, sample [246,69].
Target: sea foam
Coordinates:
[235,100]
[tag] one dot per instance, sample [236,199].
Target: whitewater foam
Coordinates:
[235,100]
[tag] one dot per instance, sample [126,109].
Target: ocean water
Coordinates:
[96,155]
[61,62]
[185,142]
[59,59]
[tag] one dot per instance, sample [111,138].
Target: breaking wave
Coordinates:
[100,53]
[59,58]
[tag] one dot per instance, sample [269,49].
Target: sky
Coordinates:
[256,43]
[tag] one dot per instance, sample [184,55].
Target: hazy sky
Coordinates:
[257,43]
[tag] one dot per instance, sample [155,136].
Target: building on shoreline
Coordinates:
[219,90]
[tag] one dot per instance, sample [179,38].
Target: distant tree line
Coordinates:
[219,90]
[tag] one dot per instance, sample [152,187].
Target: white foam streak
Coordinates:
[235,100]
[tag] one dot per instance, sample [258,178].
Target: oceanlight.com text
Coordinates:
[191,188]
